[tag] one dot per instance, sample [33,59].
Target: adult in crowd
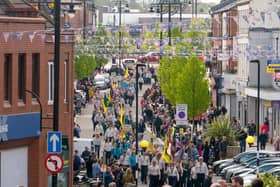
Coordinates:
[237,181]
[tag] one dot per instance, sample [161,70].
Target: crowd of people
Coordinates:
[182,161]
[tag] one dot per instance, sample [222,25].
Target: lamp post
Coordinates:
[277,45]
[56,75]
[136,137]
[258,109]
[84,21]
[169,23]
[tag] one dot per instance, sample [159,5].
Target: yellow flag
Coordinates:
[165,156]
[122,122]
[126,75]
[104,106]
[109,97]
[151,144]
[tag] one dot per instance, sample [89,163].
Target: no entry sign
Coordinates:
[54,163]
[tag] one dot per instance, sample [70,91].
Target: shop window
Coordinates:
[51,83]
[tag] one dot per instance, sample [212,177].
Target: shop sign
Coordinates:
[19,126]
[267,103]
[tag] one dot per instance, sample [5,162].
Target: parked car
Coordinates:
[221,164]
[250,177]
[248,167]
[129,63]
[247,158]
[100,82]
[149,57]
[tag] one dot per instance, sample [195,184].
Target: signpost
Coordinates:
[181,114]
[54,163]
[54,141]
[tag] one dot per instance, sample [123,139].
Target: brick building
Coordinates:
[26,63]
[224,63]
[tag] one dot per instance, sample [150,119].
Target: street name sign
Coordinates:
[54,163]
[54,140]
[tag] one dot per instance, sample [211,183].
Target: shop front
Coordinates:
[18,132]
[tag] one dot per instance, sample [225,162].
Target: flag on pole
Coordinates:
[122,122]
[105,103]
[165,156]
[126,75]
[151,144]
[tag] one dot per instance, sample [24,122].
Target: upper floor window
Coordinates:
[51,83]
[21,76]
[8,77]
[36,73]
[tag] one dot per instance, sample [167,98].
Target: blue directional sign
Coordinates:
[273,63]
[54,142]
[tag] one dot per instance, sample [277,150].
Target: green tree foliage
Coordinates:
[269,179]
[192,86]
[183,80]
[183,77]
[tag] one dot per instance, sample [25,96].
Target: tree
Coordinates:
[192,86]
[183,77]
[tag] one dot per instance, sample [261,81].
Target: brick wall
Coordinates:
[37,147]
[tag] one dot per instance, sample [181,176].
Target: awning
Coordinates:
[269,94]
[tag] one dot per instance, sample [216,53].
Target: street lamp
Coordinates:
[136,137]
[258,109]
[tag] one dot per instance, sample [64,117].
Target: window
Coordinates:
[66,86]
[8,78]
[21,76]
[51,83]
[35,73]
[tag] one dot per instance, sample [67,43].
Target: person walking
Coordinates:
[96,169]
[172,174]
[132,163]
[277,144]
[223,147]
[128,178]
[154,174]
[96,141]
[251,128]
[108,146]
[263,140]
[201,171]
[108,177]
[144,164]
[242,140]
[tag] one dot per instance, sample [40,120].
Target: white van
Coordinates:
[81,143]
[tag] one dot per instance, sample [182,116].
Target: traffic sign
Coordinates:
[54,163]
[54,142]
[181,112]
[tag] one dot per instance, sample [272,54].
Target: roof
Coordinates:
[221,5]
